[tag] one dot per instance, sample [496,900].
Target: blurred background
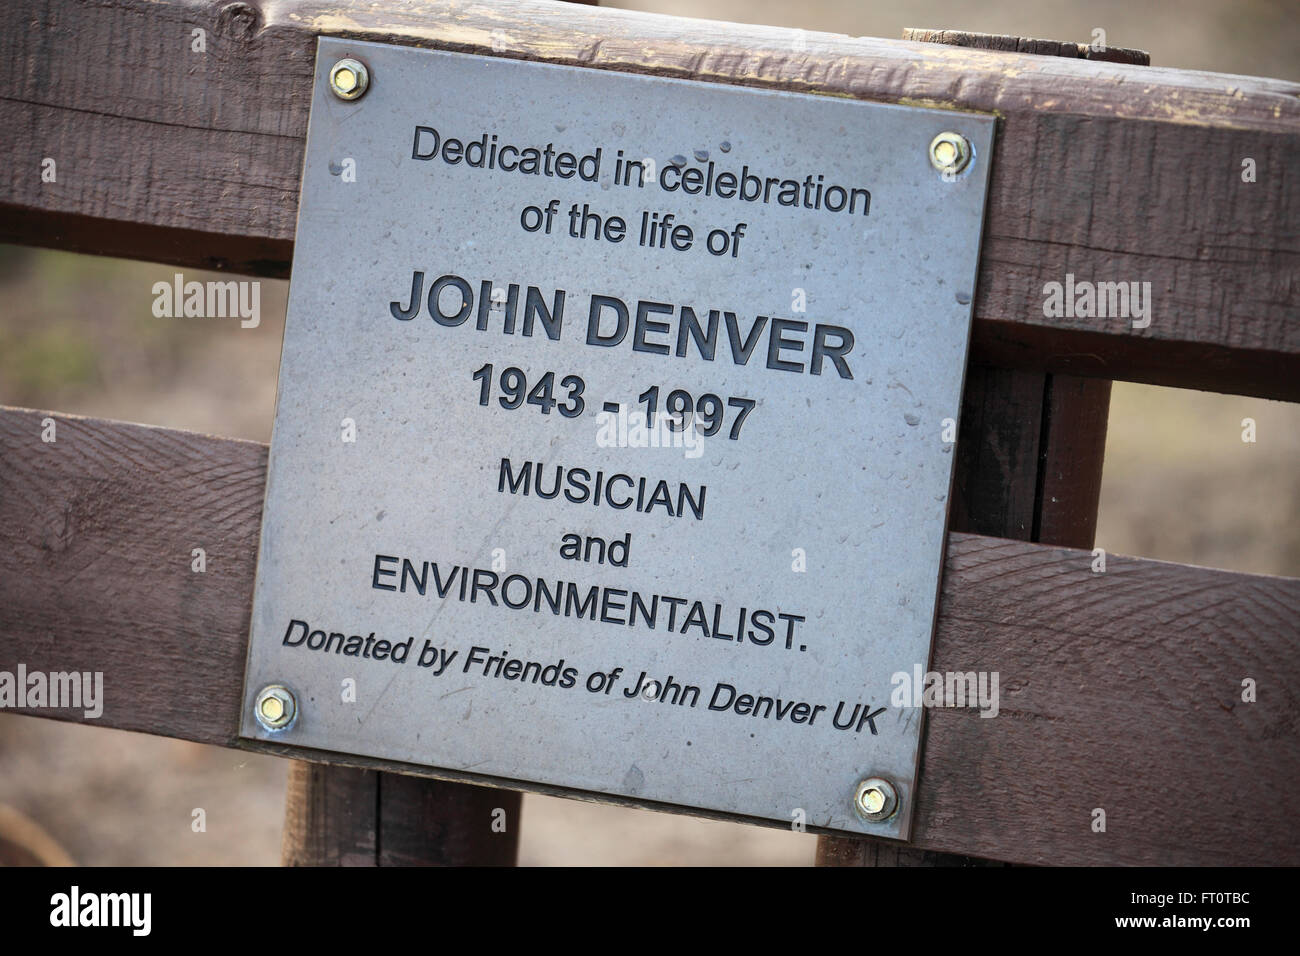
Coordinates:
[77,334]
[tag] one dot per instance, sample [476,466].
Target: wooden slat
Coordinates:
[1118,690]
[1107,171]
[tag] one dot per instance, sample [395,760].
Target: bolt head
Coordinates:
[345,80]
[349,79]
[950,152]
[275,707]
[875,799]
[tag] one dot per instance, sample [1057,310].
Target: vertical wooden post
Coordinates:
[342,816]
[1029,460]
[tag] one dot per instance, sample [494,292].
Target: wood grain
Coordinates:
[330,816]
[351,816]
[995,485]
[1016,44]
[1106,171]
[439,823]
[1119,690]
[1071,460]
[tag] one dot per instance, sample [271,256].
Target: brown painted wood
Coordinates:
[1014,44]
[995,487]
[1029,458]
[1119,690]
[1107,171]
[349,816]
[833,851]
[330,816]
[1071,459]
[438,823]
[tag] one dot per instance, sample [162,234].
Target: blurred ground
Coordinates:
[1180,484]
[77,335]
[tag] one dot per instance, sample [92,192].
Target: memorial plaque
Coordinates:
[614,438]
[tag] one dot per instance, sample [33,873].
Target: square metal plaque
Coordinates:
[476,554]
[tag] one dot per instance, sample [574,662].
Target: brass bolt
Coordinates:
[275,708]
[349,79]
[875,799]
[950,152]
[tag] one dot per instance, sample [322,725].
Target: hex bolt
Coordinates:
[275,708]
[875,799]
[950,152]
[349,79]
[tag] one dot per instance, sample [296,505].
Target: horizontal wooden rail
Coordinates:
[1119,690]
[1104,171]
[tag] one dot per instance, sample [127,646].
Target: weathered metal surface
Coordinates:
[786,545]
